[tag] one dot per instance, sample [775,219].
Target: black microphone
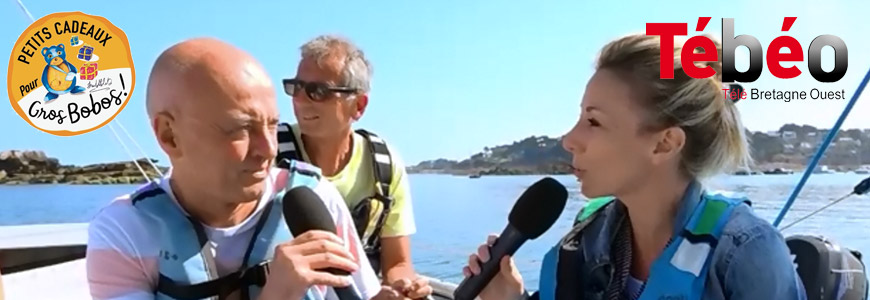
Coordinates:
[534,213]
[304,211]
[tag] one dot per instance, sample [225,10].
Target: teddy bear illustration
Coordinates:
[59,76]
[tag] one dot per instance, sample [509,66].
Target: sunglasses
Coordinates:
[317,91]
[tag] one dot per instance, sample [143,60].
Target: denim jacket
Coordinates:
[750,261]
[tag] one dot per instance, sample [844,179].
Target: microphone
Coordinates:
[309,213]
[534,213]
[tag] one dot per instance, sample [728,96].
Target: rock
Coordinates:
[34,162]
[38,156]
[76,179]
[10,163]
[118,167]
[133,172]
[24,177]
[6,154]
[93,168]
[2,175]
[138,180]
[52,165]
[115,174]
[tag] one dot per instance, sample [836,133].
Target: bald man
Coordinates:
[207,227]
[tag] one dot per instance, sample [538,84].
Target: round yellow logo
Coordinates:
[70,73]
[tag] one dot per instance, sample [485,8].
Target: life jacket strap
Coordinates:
[287,144]
[383,173]
[221,287]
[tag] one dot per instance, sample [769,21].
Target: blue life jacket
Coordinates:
[581,266]
[186,260]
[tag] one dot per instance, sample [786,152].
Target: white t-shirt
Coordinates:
[122,255]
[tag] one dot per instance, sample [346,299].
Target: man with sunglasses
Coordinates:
[214,226]
[330,92]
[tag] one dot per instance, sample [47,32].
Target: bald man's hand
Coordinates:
[296,264]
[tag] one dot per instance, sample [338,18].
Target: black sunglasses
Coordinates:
[317,91]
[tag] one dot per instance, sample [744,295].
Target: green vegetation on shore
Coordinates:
[790,147]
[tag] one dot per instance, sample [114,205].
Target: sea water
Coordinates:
[453,214]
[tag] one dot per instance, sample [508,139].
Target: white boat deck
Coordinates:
[62,281]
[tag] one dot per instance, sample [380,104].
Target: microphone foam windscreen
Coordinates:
[538,207]
[304,211]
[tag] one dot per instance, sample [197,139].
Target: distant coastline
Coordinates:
[19,167]
[783,151]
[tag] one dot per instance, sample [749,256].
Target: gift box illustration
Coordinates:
[74,40]
[88,71]
[85,52]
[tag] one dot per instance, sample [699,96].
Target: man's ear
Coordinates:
[362,100]
[670,143]
[163,125]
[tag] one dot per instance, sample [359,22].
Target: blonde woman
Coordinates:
[649,142]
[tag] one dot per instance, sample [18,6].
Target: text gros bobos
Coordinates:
[667,32]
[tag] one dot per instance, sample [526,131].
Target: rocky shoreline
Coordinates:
[546,169]
[34,167]
[782,151]
[566,170]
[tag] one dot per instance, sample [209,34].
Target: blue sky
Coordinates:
[450,77]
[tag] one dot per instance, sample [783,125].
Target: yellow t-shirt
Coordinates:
[356,182]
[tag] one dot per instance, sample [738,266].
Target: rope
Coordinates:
[860,189]
[815,212]
[139,147]
[128,152]
[24,9]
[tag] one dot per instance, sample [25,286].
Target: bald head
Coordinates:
[214,113]
[186,74]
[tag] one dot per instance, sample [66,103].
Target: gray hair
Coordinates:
[356,72]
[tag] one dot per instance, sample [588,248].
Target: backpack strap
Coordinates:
[288,147]
[383,162]
[383,173]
